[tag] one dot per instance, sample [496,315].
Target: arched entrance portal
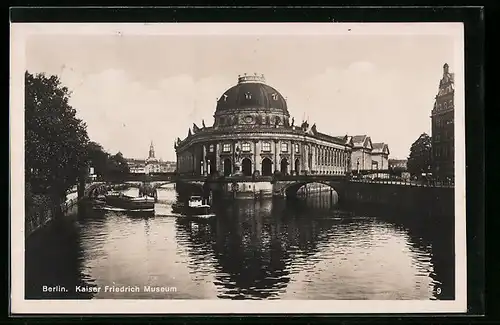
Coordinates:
[267,167]
[284,166]
[246,167]
[297,166]
[212,168]
[227,167]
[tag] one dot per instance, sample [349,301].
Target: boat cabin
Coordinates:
[195,201]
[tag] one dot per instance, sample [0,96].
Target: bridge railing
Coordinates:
[405,182]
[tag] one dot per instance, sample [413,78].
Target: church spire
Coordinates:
[151,150]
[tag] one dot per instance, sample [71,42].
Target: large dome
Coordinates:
[251,92]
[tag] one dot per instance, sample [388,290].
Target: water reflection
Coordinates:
[252,249]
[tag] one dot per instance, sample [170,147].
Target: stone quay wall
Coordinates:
[398,197]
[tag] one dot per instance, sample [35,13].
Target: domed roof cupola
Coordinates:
[252,92]
[253,100]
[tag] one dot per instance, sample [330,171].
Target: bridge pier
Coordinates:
[80,188]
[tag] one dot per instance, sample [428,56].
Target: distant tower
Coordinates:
[151,150]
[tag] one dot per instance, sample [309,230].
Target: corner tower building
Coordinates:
[254,134]
[443,137]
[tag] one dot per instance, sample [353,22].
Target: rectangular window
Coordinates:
[284,147]
[266,146]
[211,148]
[226,147]
[245,147]
[297,148]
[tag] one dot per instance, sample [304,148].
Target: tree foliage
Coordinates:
[105,164]
[420,157]
[55,139]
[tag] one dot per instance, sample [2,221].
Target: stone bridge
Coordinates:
[288,186]
[158,184]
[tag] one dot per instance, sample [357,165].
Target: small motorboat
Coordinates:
[122,202]
[195,207]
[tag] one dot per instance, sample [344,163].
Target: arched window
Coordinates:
[445,105]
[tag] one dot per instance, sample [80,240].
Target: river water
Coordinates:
[268,249]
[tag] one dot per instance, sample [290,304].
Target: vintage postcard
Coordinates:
[237,168]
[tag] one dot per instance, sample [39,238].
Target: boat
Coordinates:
[195,207]
[120,202]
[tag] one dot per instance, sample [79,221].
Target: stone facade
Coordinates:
[442,116]
[254,134]
[380,156]
[367,155]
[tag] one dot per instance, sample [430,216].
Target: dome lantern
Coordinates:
[251,78]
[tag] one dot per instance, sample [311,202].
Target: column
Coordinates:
[217,157]
[330,159]
[204,159]
[256,162]
[292,155]
[233,155]
[276,163]
[339,160]
[335,159]
[314,151]
[321,159]
[305,157]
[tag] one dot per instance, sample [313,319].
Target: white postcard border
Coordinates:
[19,34]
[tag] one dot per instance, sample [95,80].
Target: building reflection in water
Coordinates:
[262,249]
[272,248]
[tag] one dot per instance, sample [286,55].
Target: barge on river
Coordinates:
[116,201]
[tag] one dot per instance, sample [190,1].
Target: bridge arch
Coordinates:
[290,189]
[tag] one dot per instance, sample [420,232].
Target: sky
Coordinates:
[132,89]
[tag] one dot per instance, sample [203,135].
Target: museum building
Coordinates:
[253,134]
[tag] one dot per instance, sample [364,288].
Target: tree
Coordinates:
[419,160]
[98,158]
[105,164]
[55,139]
[118,164]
